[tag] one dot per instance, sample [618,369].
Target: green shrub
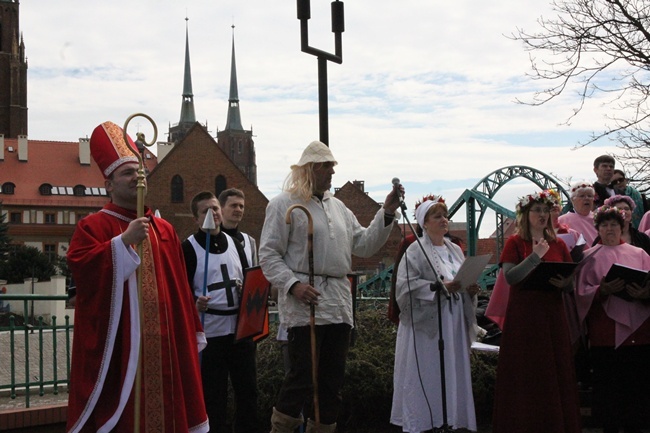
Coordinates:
[368,389]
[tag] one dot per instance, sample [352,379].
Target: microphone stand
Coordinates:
[437,287]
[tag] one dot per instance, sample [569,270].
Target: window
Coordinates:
[50,251]
[79,190]
[78,216]
[50,218]
[240,147]
[177,189]
[8,188]
[45,189]
[15,217]
[220,185]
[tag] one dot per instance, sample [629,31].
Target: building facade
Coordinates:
[46,187]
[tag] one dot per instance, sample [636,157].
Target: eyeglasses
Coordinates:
[582,196]
[617,181]
[540,210]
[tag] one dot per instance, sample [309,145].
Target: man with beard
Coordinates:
[283,256]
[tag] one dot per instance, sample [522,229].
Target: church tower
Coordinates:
[13,72]
[188,117]
[234,140]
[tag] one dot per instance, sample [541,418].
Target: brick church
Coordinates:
[64,183]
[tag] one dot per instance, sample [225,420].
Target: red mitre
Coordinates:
[108,148]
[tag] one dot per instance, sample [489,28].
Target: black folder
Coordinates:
[539,278]
[629,275]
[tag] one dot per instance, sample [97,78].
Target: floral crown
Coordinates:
[544,197]
[431,197]
[555,196]
[604,211]
[611,201]
[578,186]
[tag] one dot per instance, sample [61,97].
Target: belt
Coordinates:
[325,276]
[221,312]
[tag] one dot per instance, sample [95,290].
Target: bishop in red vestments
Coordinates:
[108,329]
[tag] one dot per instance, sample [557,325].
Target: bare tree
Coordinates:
[601,48]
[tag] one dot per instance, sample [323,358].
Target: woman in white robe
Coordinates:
[417,397]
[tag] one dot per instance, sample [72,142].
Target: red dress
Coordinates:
[536,389]
[107,331]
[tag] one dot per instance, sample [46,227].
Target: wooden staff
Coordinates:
[140,213]
[312,307]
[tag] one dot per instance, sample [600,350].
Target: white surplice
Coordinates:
[417,397]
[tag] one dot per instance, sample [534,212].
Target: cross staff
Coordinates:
[140,213]
[312,307]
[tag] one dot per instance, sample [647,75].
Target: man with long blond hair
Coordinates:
[284,259]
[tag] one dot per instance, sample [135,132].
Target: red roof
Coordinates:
[51,162]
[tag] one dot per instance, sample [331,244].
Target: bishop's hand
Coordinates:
[136,232]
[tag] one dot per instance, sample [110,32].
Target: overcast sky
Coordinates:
[425,92]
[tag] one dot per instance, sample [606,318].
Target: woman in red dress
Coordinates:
[536,389]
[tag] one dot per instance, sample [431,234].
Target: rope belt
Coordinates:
[323,276]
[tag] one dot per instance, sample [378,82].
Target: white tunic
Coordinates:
[337,235]
[417,358]
[225,300]
[250,249]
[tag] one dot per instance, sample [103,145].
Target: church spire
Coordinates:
[237,143]
[188,118]
[187,107]
[234,118]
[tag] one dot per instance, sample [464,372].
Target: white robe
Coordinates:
[416,349]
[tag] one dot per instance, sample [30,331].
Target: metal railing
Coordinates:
[378,286]
[50,367]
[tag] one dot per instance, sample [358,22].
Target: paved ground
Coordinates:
[50,340]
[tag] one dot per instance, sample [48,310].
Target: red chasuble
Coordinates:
[107,331]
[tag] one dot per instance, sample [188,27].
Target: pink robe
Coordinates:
[644,225]
[582,224]
[627,317]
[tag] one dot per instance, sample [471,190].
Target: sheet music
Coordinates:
[471,270]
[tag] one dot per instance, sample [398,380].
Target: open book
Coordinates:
[539,278]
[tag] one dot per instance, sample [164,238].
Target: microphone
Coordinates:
[396,184]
